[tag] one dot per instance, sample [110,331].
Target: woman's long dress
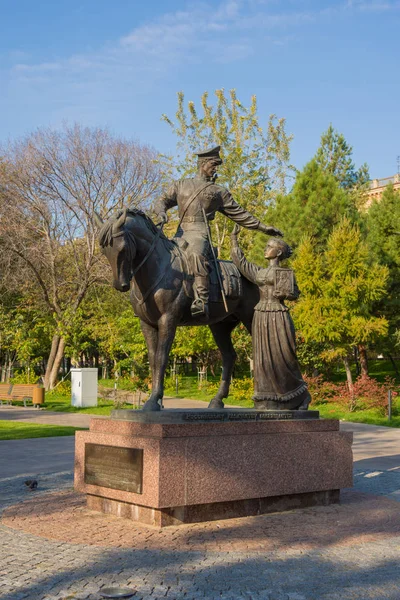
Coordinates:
[277,377]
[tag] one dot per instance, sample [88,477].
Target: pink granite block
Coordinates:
[243,467]
[120,427]
[208,463]
[150,447]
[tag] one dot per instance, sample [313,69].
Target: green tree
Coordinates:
[114,328]
[335,156]
[315,205]
[339,288]
[383,220]
[197,342]
[25,332]
[52,183]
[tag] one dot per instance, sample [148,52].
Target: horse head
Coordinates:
[118,245]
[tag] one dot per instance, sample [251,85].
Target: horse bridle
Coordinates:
[150,250]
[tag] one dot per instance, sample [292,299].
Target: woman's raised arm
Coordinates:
[247,269]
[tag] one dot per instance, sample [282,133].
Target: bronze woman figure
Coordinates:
[278,383]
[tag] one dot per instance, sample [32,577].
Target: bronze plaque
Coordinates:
[114,467]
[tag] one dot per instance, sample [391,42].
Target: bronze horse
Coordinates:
[139,253]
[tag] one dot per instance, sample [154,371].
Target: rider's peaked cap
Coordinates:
[210,154]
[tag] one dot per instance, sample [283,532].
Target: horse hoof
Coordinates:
[216,404]
[151,406]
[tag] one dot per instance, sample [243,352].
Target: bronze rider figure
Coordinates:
[197,199]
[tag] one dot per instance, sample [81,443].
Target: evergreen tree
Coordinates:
[383,219]
[335,156]
[316,204]
[339,288]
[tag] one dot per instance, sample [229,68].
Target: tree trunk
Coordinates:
[50,362]
[394,365]
[56,364]
[362,353]
[349,382]
[356,361]
[9,368]
[104,369]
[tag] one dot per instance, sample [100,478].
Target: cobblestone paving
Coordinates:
[331,568]
[359,519]
[381,483]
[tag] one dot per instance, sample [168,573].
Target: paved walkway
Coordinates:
[34,415]
[51,547]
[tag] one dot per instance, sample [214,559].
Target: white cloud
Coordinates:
[215,31]
[224,32]
[43,67]
[177,37]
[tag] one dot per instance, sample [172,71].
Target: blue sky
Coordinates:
[119,64]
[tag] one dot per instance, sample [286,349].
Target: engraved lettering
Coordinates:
[242,417]
[205,417]
[276,416]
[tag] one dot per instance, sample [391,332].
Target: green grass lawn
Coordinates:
[188,387]
[15,430]
[62,403]
[371,416]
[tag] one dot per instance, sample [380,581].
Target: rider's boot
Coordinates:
[199,306]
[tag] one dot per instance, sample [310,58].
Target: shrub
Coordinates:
[321,391]
[170,384]
[133,383]
[242,389]
[367,393]
[62,389]
[23,377]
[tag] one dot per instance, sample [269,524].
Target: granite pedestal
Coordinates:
[176,467]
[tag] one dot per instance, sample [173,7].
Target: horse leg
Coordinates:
[166,333]
[222,335]
[150,334]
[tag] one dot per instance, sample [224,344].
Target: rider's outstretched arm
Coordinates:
[237,213]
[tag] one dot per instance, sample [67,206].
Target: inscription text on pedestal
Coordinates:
[114,467]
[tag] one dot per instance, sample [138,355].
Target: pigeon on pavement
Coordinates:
[31,484]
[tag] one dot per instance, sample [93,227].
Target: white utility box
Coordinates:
[83,387]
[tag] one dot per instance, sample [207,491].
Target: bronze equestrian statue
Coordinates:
[164,275]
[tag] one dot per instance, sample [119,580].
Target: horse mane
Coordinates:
[106,231]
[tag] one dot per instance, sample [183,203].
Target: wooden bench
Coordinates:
[19,391]
[5,389]
[22,391]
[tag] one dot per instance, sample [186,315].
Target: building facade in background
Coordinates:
[377,187]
